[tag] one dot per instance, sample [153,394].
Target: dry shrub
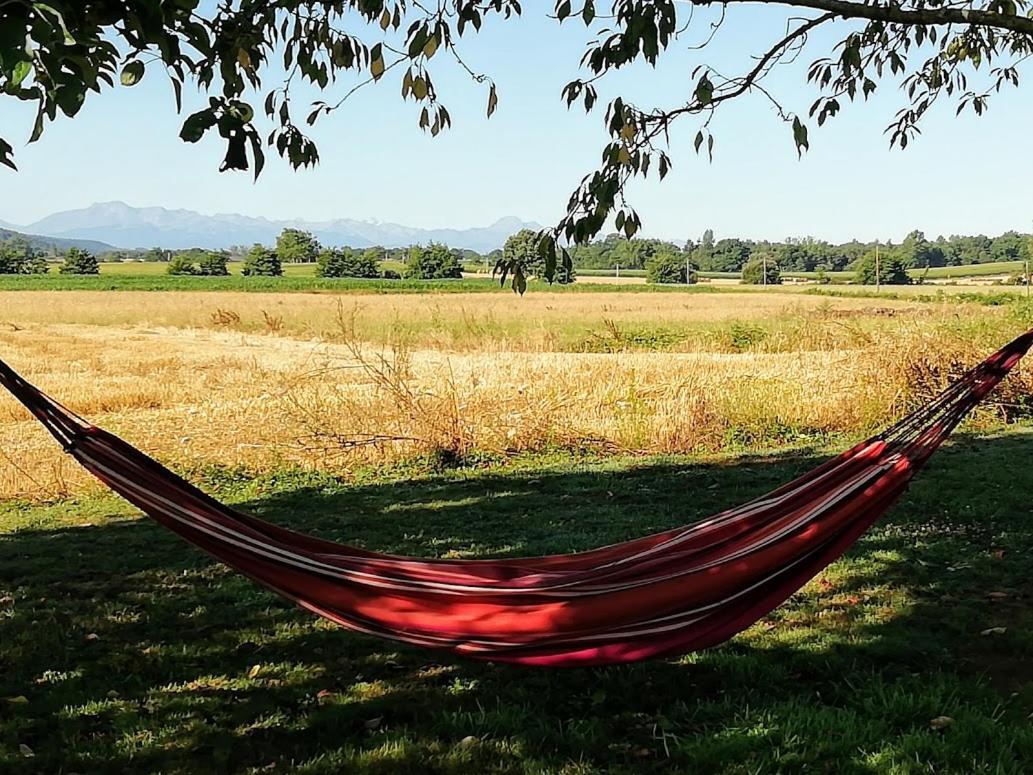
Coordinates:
[225,318]
[273,323]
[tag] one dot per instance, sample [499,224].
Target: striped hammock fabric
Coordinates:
[664,594]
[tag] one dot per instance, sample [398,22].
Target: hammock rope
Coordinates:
[664,594]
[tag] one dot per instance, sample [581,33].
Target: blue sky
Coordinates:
[964,175]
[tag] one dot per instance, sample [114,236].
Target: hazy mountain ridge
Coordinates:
[124,226]
[54,244]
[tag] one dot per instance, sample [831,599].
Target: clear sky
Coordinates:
[964,175]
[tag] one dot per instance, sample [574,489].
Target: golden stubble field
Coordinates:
[336,382]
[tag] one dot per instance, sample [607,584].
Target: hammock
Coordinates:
[664,594]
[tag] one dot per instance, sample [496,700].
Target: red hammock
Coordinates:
[668,593]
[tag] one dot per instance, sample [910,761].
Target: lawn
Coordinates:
[124,650]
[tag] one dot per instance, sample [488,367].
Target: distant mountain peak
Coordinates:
[126,226]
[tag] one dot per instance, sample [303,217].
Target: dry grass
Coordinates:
[539,322]
[215,395]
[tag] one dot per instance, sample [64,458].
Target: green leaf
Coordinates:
[132,73]
[20,72]
[70,97]
[196,125]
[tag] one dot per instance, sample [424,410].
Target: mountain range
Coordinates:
[53,244]
[120,225]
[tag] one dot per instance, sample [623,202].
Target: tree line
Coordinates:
[735,255]
[18,256]
[755,261]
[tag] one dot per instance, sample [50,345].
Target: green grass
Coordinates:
[970,270]
[122,650]
[307,283]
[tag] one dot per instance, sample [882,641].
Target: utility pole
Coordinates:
[618,265]
[878,275]
[1027,278]
[764,274]
[687,275]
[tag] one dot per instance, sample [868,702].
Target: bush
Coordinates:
[212,263]
[17,256]
[181,264]
[892,271]
[434,262]
[667,267]
[754,271]
[79,262]
[390,274]
[262,262]
[345,262]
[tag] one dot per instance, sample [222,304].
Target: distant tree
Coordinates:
[728,255]
[17,256]
[892,270]
[345,262]
[1010,246]
[182,264]
[753,272]
[79,261]
[295,246]
[802,255]
[707,242]
[917,252]
[433,262]
[261,261]
[212,263]
[667,266]
[154,254]
[521,253]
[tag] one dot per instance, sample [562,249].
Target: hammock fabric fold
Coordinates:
[664,594]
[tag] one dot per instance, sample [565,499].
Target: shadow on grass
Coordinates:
[133,653]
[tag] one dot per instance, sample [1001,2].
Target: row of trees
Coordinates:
[805,255]
[17,256]
[430,262]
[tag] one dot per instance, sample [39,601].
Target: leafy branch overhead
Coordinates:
[249,56]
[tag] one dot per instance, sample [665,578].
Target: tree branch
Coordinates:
[899,15]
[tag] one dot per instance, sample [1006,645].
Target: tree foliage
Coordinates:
[181,264]
[57,54]
[17,256]
[528,254]
[212,263]
[891,270]
[262,262]
[616,250]
[432,262]
[346,262]
[295,246]
[761,271]
[78,261]
[196,261]
[668,266]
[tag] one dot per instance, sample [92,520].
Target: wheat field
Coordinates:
[264,381]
